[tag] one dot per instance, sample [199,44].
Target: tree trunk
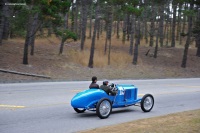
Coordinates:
[30,36]
[132,34]
[178,22]
[72,15]
[84,22]
[118,21]
[183,26]
[197,39]
[165,29]
[124,29]
[101,27]
[61,46]
[115,27]
[170,30]
[76,17]
[106,42]
[2,17]
[90,29]
[25,57]
[184,60]
[137,42]
[27,41]
[156,47]
[91,62]
[63,41]
[146,30]
[32,42]
[79,26]
[161,25]
[6,27]
[110,15]
[145,19]
[32,45]
[142,27]
[152,26]
[167,32]
[109,51]
[128,27]
[173,25]
[98,29]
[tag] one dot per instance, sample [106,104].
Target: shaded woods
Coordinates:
[155,23]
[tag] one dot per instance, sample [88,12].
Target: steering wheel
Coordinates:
[113,87]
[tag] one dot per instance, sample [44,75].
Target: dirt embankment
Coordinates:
[46,61]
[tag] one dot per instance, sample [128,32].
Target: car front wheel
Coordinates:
[103,108]
[147,103]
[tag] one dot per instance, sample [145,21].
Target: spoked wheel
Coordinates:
[147,103]
[104,108]
[79,110]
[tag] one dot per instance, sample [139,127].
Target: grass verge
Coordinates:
[184,122]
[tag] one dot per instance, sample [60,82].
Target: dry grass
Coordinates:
[72,64]
[185,122]
[119,53]
[118,58]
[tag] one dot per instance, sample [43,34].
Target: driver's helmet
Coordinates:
[105,82]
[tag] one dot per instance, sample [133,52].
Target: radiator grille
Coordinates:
[127,94]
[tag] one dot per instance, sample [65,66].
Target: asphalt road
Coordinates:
[45,107]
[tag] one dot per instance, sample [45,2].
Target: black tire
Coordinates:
[147,103]
[78,110]
[104,108]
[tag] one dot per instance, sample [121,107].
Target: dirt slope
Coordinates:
[46,61]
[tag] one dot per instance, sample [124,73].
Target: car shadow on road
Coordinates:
[91,114]
[123,110]
[88,114]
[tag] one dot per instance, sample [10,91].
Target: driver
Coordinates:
[107,88]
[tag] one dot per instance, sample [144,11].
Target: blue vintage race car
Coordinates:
[101,102]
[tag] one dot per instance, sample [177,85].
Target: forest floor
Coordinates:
[72,64]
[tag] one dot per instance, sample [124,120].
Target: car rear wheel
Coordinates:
[147,103]
[78,110]
[103,108]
